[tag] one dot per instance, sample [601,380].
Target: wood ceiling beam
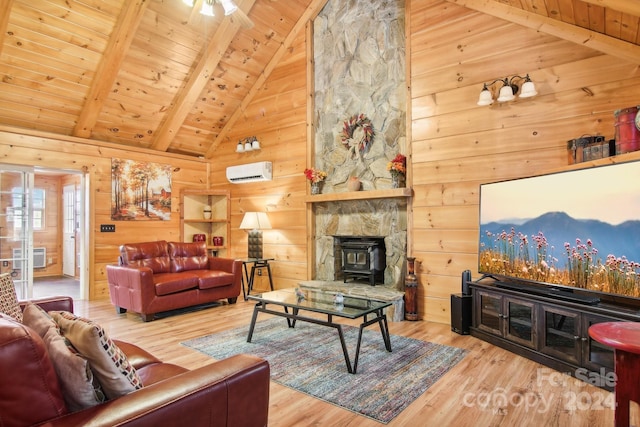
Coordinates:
[624,6]
[573,33]
[186,98]
[119,42]
[310,13]
[5,5]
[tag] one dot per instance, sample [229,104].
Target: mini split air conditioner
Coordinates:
[251,172]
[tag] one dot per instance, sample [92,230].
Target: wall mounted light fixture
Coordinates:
[248,144]
[508,90]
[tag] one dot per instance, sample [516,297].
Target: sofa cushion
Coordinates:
[8,298]
[34,394]
[171,283]
[208,279]
[153,255]
[187,256]
[79,387]
[108,363]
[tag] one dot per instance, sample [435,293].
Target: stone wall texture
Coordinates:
[359,56]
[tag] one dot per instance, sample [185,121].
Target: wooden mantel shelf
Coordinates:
[359,195]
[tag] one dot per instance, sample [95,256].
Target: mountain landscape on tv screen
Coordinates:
[559,228]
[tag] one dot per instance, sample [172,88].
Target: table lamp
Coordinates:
[255,222]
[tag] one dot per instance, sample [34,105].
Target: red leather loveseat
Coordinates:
[230,392]
[153,277]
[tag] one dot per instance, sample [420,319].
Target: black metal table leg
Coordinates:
[245,280]
[253,321]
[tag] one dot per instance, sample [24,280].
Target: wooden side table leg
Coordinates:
[627,387]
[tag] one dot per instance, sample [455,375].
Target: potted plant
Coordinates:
[315,177]
[397,168]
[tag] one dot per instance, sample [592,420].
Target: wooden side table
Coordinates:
[624,337]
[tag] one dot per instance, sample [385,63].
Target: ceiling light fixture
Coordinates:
[508,90]
[229,7]
[207,8]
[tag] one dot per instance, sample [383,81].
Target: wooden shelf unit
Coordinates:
[192,221]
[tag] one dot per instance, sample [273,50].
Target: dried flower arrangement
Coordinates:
[314,175]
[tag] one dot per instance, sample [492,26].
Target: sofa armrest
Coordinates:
[58,303]
[130,287]
[231,392]
[225,264]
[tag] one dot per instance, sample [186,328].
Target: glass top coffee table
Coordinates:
[295,300]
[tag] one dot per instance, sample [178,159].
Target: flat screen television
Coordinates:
[576,231]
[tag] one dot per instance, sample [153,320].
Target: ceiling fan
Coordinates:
[229,6]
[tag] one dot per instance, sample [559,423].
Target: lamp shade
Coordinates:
[528,90]
[255,144]
[240,148]
[506,94]
[255,221]
[247,146]
[229,7]
[207,8]
[485,97]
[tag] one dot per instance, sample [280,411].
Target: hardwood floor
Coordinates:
[489,387]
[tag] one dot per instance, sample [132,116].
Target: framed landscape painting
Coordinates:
[140,191]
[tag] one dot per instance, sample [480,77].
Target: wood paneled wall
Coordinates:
[457,145]
[94,159]
[277,117]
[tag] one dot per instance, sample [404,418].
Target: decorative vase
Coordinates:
[397,180]
[199,237]
[411,291]
[353,184]
[206,212]
[217,240]
[315,187]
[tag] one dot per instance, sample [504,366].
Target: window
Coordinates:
[18,206]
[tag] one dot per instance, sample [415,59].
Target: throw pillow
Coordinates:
[108,363]
[8,298]
[79,388]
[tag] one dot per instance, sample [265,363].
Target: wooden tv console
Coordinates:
[549,326]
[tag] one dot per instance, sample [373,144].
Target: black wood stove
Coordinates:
[362,257]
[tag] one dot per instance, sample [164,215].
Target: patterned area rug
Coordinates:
[309,358]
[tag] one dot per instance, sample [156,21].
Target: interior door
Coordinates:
[16,232]
[69,231]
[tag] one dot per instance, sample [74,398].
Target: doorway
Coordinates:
[42,218]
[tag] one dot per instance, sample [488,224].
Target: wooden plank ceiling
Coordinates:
[158,74]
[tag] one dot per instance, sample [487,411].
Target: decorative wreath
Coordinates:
[350,125]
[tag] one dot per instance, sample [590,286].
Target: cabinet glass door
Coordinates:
[489,312]
[561,337]
[520,321]
[597,355]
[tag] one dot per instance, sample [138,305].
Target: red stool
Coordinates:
[624,337]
